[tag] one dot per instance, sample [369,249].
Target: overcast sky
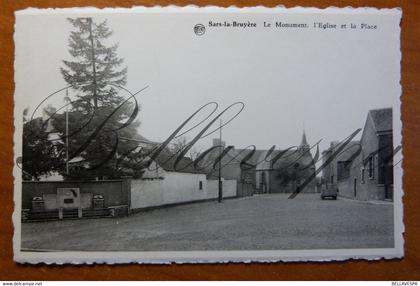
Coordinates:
[288,79]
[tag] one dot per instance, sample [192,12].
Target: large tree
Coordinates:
[97,117]
[95,70]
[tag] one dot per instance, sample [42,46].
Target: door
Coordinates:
[388,192]
[388,179]
[263,184]
[355,187]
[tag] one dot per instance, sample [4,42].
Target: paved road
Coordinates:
[261,222]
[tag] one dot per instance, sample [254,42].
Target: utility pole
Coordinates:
[67,101]
[220,197]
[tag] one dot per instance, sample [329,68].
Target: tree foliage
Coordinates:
[94,123]
[100,117]
[178,144]
[40,155]
[95,70]
[99,154]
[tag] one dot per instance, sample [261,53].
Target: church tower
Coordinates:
[308,165]
[304,146]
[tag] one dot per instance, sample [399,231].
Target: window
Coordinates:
[343,170]
[371,167]
[362,175]
[384,160]
[200,185]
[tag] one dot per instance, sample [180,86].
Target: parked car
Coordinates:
[329,191]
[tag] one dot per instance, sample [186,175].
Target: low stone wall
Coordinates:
[177,188]
[229,189]
[174,188]
[114,192]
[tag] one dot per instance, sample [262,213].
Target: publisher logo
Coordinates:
[199,29]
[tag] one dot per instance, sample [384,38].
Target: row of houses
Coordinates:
[363,170]
[264,171]
[255,171]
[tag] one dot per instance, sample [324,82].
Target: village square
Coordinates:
[92,180]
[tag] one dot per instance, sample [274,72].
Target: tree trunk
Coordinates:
[95,98]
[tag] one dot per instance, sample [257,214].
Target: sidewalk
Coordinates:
[373,202]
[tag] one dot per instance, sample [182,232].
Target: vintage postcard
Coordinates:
[192,135]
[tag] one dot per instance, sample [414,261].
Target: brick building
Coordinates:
[283,171]
[234,167]
[364,169]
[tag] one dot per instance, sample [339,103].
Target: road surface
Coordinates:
[262,222]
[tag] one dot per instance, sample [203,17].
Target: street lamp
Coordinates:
[67,102]
[220,197]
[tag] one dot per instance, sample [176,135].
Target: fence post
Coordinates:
[126,187]
[79,211]
[60,213]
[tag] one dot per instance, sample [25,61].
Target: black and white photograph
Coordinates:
[159,135]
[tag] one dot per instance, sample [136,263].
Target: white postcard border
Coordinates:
[320,255]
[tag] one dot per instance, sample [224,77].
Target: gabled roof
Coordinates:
[348,151]
[287,157]
[240,154]
[166,160]
[382,119]
[141,140]
[233,156]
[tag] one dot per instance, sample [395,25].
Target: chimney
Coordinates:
[47,112]
[216,142]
